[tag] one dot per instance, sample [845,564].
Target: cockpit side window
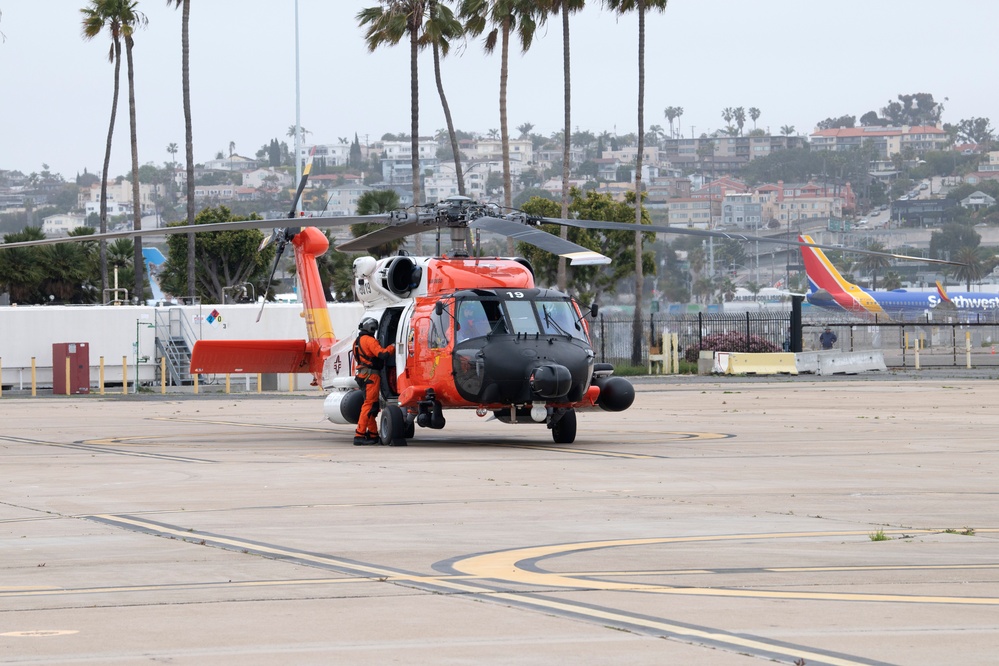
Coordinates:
[440,329]
[471,321]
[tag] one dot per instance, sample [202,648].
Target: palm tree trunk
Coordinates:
[504,132]
[451,134]
[414,92]
[104,175]
[637,326]
[561,278]
[188,142]
[137,260]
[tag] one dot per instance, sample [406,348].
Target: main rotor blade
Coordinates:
[577,254]
[654,228]
[381,236]
[322,222]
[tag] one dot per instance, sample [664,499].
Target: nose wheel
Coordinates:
[564,430]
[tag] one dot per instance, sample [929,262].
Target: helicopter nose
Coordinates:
[551,381]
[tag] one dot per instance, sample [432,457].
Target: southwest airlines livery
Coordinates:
[829,289]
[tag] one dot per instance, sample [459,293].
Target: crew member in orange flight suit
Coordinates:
[368,363]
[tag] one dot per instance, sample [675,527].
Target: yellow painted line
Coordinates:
[751,570]
[505,566]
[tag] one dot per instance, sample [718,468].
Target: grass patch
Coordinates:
[879,536]
[967,531]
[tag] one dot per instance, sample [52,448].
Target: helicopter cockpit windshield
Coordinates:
[527,312]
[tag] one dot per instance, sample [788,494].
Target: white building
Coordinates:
[328,154]
[342,199]
[60,225]
[270,178]
[231,163]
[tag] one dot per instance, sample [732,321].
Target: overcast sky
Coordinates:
[798,62]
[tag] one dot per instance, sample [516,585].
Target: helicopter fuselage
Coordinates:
[474,333]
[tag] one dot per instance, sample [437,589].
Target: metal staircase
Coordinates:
[174,339]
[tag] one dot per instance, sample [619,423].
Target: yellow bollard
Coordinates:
[227,377]
[967,349]
[195,383]
[260,383]
[291,382]
[124,375]
[101,375]
[67,375]
[34,379]
[163,375]
[674,341]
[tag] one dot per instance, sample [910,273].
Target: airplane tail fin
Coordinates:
[943,293]
[822,275]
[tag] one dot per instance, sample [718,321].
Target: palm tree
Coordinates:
[728,113]
[185,49]
[172,150]
[787,130]
[525,129]
[372,203]
[656,133]
[441,27]
[131,19]
[872,263]
[622,6]
[892,281]
[671,114]
[387,24]
[505,17]
[972,268]
[563,8]
[97,18]
[739,114]
[754,114]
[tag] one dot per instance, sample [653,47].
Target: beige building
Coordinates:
[887,141]
[120,193]
[694,213]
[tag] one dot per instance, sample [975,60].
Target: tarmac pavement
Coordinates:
[718,521]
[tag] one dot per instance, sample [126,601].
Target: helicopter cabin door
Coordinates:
[392,330]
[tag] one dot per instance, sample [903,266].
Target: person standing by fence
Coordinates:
[827,339]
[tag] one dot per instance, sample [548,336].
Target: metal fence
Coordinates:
[939,344]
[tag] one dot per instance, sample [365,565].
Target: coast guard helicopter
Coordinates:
[470,332]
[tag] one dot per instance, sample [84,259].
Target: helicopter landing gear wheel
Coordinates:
[564,430]
[393,426]
[409,429]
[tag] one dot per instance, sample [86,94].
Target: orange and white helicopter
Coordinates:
[470,332]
